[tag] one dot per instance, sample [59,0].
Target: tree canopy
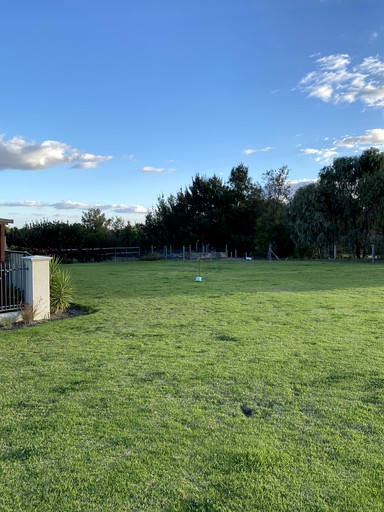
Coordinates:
[345,206]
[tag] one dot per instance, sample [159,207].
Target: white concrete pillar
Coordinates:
[37,291]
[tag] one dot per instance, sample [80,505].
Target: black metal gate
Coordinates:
[12,286]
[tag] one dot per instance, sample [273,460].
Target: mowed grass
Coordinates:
[259,389]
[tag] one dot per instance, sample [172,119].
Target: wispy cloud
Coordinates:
[18,153]
[252,151]
[129,209]
[374,137]
[374,36]
[336,80]
[156,170]
[70,205]
[320,155]
[115,208]
[27,204]
[77,205]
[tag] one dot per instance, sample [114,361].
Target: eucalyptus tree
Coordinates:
[273,225]
[312,228]
[276,184]
[346,206]
[342,186]
[371,190]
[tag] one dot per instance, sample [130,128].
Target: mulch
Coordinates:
[72,311]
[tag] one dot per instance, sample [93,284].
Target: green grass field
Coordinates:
[259,389]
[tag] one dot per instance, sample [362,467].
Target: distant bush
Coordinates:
[153,256]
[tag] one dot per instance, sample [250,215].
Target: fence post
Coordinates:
[2,243]
[37,292]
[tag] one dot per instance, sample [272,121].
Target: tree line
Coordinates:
[344,207]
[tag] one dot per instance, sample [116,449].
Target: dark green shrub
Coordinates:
[153,256]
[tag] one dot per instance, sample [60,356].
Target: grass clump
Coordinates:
[6,324]
[27,313]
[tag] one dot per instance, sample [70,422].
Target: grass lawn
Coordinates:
[259,389]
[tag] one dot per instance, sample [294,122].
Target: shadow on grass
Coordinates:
[17,454]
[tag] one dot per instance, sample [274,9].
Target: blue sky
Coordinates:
[111,104]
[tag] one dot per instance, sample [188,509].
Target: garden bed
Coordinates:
[72,311]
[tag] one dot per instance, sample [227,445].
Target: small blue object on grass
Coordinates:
[198,278]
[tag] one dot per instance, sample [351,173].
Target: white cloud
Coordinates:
[70,205]
[373,96]
[336,80]
[372,65]
[252,151]
[130,209]
[305,181]
[374,137]
[333,62]
[17,153]
[320,155]
[28,204]
[89,161]
[296,184]
[158,170]
[76,205]
[324,92]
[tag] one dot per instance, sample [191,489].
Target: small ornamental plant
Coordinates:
[61,287]
[27,313]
